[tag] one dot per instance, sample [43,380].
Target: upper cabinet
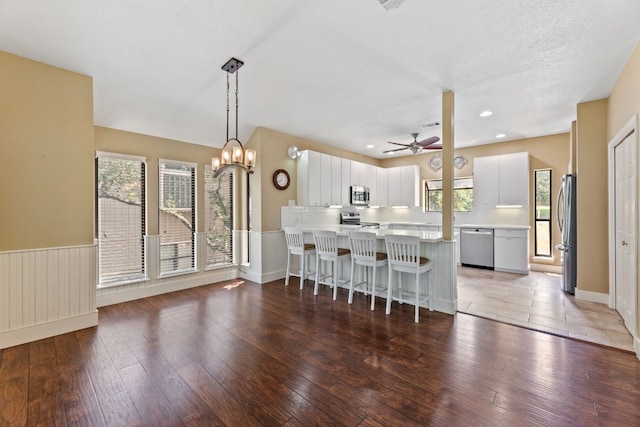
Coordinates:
[501,180]
[514,179]
[325,180]
[319,179]
[404,186]
[381,196]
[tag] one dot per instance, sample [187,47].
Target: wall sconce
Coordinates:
[293,152]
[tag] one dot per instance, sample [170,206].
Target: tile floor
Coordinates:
[536,301]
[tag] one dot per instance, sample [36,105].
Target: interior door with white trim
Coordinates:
[625,230]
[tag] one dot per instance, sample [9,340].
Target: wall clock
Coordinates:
[281,179]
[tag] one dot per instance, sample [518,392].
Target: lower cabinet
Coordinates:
[511,250]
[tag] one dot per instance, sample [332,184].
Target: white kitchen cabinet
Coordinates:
[314,179]
[404,186]
[346,182]
[309,181]
[501,180]
[382,188]
[511,250]
[394,185]
[486,181]
[325,179]
[357,173]
[410,185]
[336,180]
[514,179]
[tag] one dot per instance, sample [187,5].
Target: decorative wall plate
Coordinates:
[435,163]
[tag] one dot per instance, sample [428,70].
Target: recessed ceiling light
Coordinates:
[430,125]
[370,146]
[500,135]
[486,113]
[391,153]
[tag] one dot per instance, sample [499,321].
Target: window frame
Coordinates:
[208,172]
[433,181]
[535,214]
[130,277]
[177,270]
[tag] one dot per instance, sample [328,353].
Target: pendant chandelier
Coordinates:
[233,152]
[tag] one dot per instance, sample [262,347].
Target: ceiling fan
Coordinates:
[417,146]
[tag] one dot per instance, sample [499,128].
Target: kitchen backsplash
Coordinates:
[303,215]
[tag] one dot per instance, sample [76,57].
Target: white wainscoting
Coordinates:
[157,285]
[46,292]
[268,257]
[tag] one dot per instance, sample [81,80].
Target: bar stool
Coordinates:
[327,250]
[363,252]
[403,253]
[296,246]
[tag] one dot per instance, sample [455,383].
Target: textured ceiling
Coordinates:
[344,73]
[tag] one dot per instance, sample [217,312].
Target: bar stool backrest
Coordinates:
[403,252]
[363,245]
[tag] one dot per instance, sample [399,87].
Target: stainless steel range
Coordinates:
[353,218]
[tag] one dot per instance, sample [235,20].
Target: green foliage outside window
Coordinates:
[462,195]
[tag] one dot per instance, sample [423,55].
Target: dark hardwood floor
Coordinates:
[241,354]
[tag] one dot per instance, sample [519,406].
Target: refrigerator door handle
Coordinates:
[560,208]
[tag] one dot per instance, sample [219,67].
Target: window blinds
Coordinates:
[120,206]
[218,217]
[177,211]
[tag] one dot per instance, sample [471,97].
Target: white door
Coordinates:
[625,214]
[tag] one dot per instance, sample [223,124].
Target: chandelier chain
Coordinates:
[237,91]
[227,106]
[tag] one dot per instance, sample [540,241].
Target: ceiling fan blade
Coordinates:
[397,143]
[429,141]
[433,147]
[397,149]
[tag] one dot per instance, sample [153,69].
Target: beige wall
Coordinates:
[46,156]
[271,147]
[154,148]
[624,103]
[591,169]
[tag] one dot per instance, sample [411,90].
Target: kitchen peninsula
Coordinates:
[439,251]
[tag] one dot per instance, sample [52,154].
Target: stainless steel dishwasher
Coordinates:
[476,247]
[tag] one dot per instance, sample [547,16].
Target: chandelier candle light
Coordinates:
[233,152]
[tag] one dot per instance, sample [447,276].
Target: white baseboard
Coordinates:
[592,296]
[547,268]
[445,306]
[177,284]
[46,330]
[262,278]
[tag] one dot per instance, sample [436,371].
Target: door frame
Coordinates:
[630,128]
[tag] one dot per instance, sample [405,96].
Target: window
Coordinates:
[177,214]
[218,217]
[543,212]
[120,206]
[462,195]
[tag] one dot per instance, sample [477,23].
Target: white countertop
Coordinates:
[343,230]
[503,227]
[425,224]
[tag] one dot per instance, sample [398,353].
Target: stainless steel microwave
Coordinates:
[359,195]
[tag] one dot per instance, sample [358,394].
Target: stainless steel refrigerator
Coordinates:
[566,213]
